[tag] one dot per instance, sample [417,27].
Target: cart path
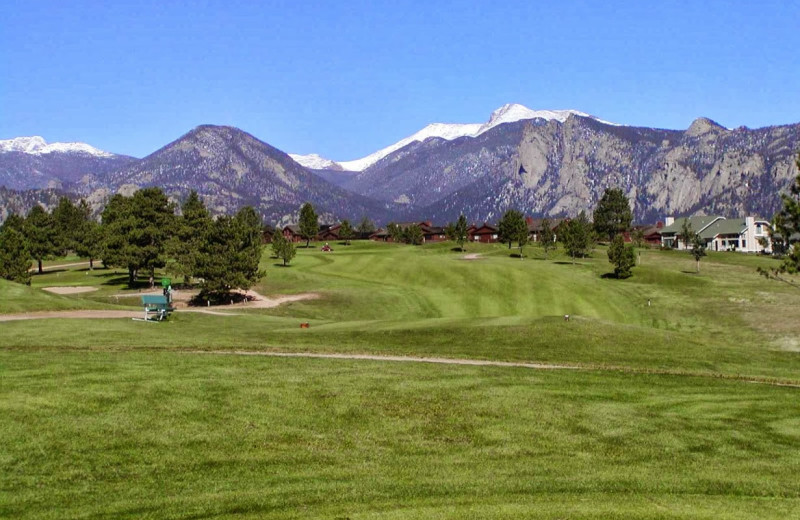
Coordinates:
[490,363]
[260,302]
[49,267]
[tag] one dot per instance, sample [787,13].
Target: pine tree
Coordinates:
[191,230]
[309,222]
[621,256]
[576,235]
[547,236]
[41,236]
[365,227]
[135,231]
[15,260]
[457,232]
[512,228]
[346,232]
[613,213]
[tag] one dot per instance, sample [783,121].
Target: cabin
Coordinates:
[328,232]
[291,233]
[485,233]
[535,227]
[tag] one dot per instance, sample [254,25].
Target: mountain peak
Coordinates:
[703,125]
[36,145]
[508,113]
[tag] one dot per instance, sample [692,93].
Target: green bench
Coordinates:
[156,307]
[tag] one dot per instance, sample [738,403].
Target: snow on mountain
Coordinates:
[315,162]
[36,145]
[506,114]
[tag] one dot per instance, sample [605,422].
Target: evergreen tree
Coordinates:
[457,232]
[365,227]
[229,257]
[88,241]
[191,230]
[346,232]
[309,222]
[576,235]
[621,256]
[15,260]
[613,214]
[135,231]
[787,226]
[40,235]
[67,219]
[512,227]
[547,236]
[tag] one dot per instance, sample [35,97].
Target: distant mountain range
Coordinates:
[552,163]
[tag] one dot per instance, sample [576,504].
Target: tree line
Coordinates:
[140,233]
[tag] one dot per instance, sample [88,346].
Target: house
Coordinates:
[328,232]
[671,232]
[430,233]
[748,235]
[381,235]
[738,235]
[535,227]
[652,234]
[267,232]
[291,233]
[485,233]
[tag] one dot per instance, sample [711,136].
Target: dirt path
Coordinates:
[259,302]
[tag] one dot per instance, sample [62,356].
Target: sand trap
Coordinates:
[262,302]
[471,256]
[70,314]
[69,290]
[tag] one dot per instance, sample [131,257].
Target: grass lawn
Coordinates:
[171,435]
[122,419]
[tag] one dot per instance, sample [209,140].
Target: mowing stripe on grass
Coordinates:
[509,364]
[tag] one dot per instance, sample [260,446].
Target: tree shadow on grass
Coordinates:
[282,265]
[458,250]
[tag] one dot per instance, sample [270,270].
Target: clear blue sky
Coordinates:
[344,79]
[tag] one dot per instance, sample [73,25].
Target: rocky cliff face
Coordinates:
[541,167]
[557,169]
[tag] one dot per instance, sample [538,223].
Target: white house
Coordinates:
[721,234]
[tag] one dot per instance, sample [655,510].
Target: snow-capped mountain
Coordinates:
[315,162]
[36,145]
[509,113]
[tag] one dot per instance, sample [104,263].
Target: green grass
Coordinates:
[673,416]
[169,435]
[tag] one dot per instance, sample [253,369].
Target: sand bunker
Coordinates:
[69,290]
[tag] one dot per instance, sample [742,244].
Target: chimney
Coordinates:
[659,225]
[529,220]
[669,221]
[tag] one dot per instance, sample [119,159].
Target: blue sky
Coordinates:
[344,79]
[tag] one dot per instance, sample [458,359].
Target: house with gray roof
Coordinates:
[720,234]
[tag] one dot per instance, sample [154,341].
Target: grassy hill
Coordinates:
[123,419]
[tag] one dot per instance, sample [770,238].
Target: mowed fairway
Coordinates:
[679,409]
